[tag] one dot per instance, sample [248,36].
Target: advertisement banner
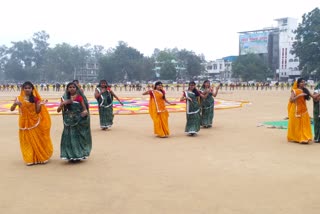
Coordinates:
[256,43]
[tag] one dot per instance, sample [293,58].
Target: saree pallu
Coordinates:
[193,113]
[105,102]
[34,133]
[207,105]
[299,126]
[159,114]
[316,121]
[76,142]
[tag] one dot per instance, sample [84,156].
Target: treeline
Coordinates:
[35,60]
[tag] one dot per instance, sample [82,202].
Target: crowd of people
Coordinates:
[76,140]
[145,87]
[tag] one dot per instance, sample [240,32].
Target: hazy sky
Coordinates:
[204,26]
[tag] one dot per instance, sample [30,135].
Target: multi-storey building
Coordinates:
[87,72]
[275,46]
[220,68]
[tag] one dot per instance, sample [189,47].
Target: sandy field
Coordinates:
[234,167]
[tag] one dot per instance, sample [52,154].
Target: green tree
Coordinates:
[250,67]
[20,64]
[307,44]
[168,71]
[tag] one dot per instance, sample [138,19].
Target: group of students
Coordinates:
[199,108]
[35,125]
[76,141]
[299,124]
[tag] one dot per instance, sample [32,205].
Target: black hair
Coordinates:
[305,90]
[155,86]
[76,81]
[101,81]
[31,97]
[195,91]
[68,106]
[203,86]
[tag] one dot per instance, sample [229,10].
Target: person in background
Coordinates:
[193,108]
[104,96]
[207,104]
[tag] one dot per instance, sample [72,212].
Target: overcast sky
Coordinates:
[203,26]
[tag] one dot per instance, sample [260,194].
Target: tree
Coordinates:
[307,44]
[250,67]
[168,71]
[20,64]
[191,62]
[41,47]
[123,61]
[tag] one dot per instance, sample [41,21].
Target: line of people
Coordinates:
[76,141]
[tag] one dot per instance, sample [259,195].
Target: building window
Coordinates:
[296,60]
[290,60]
[215,66]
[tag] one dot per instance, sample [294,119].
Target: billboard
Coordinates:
[255,42]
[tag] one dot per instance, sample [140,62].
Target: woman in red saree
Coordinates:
[34,126]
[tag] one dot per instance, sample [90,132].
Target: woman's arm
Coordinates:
[146,92]
[97,94]
[116,97]
[216,91]
[15,104]
[184,97]
[165,99]
[203,95]
[293,97]
[62,103]
[39,104]
[84,109]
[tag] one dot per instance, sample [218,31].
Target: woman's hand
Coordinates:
[43,102]
[84,113]
[17,102]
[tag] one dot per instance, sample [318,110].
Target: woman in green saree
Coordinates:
[316,115]
[207,104]
[76,142]
[104,96]
[193,108]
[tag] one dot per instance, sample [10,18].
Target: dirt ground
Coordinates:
[234,167]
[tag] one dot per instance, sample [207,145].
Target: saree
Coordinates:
[76,141]
[207,113]
[299,126]
[193,113]
[316,115]
[105,103]
[34,131]
[159,114]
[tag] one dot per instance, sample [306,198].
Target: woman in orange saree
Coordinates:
[158,111]
[34,126]
[299,126]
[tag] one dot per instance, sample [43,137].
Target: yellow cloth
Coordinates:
[299,126]
[34,131]
[159,113]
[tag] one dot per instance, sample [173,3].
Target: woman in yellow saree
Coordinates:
[158,111]
[299,126]
[34,126]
